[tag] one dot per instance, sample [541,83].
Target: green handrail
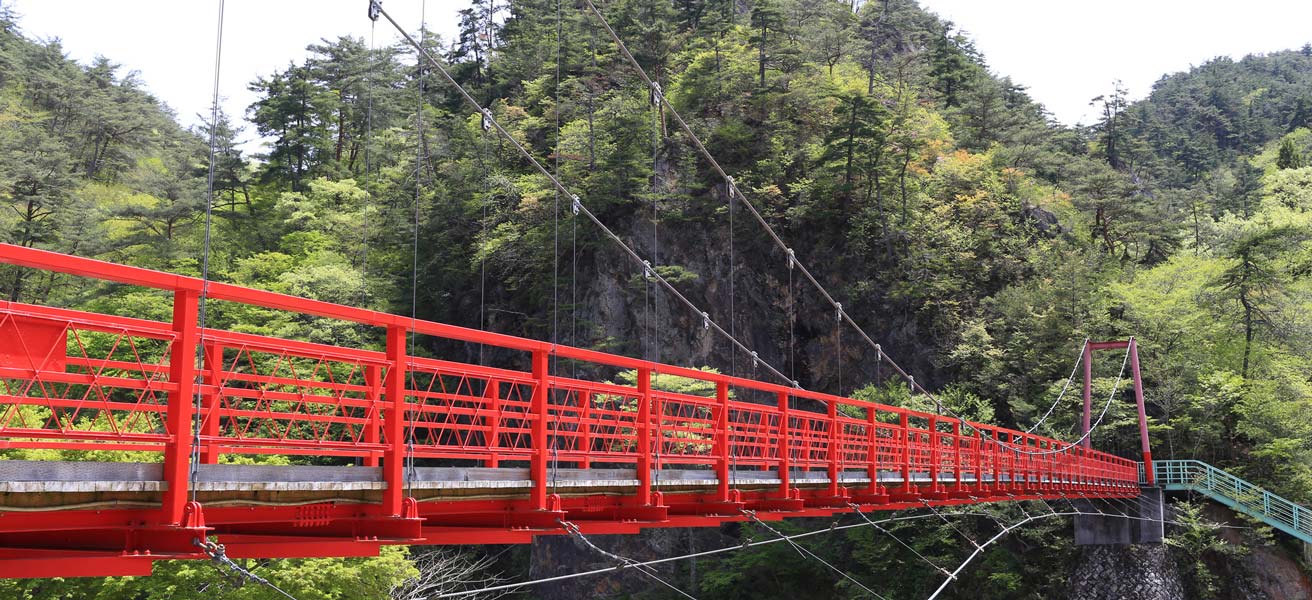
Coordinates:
[1198,476]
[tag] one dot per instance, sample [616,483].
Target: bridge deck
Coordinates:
[43,478]
[536,447]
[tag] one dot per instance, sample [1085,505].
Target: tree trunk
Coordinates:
[851,150]
[1248,329]
[902,181]
[341,128]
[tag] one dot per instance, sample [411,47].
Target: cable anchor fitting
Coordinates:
[576,205]
[839,316]
[756,360]
[647,271]
[375,9]
[706,320]
[656,94]
[792,259]
[487,120]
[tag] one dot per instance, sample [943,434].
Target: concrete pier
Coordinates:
[1143,523]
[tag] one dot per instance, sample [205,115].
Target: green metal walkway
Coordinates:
[1198,476]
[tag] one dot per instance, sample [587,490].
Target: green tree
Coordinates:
[295,111]
[1111,133]
[1256,280]
[766,22]
[1289,157]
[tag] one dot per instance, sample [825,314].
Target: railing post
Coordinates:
[585,429]
[644,437]
[492,393]
[872,451]
[210,403]
[722,449]
[181,408]
[541,449]
[958,474]
[394,422]
[979,459]
[935,456]
[785,460]
[1081,467]
[373,382]
[1043,465]
[1028,466]
[835,451]
[904,420]
[1013,462]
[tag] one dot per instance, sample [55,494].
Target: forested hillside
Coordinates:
[974,237]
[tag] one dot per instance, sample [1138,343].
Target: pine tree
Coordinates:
[1289,156]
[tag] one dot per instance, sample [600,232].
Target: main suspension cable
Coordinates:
[735,190]
[576,201]
[1106,405]
[1079,360]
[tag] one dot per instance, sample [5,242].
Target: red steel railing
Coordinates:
[80,381]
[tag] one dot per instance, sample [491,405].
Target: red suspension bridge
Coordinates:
[432,451]
[144,429]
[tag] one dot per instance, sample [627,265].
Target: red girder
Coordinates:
[119,383]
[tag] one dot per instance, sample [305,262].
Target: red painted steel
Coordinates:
[123,384]
[1131,347]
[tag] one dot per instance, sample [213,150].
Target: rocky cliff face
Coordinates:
[557,555]
[1265,572]
[1251,568]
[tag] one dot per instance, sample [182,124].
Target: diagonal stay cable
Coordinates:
[979,548]
[621,560]
[949,523]
[733,190]
[702,554]
[809,554]
[1020,504]
[750,544]
[218,555]
[857,509]
[577,203]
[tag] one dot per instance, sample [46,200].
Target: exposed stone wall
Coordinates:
[1138,572]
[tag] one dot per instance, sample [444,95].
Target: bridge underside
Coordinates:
[88,519]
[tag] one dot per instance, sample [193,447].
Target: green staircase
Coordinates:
[1198,476]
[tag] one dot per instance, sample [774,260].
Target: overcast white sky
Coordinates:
[171,42]
[1068,51]
[1065,52]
